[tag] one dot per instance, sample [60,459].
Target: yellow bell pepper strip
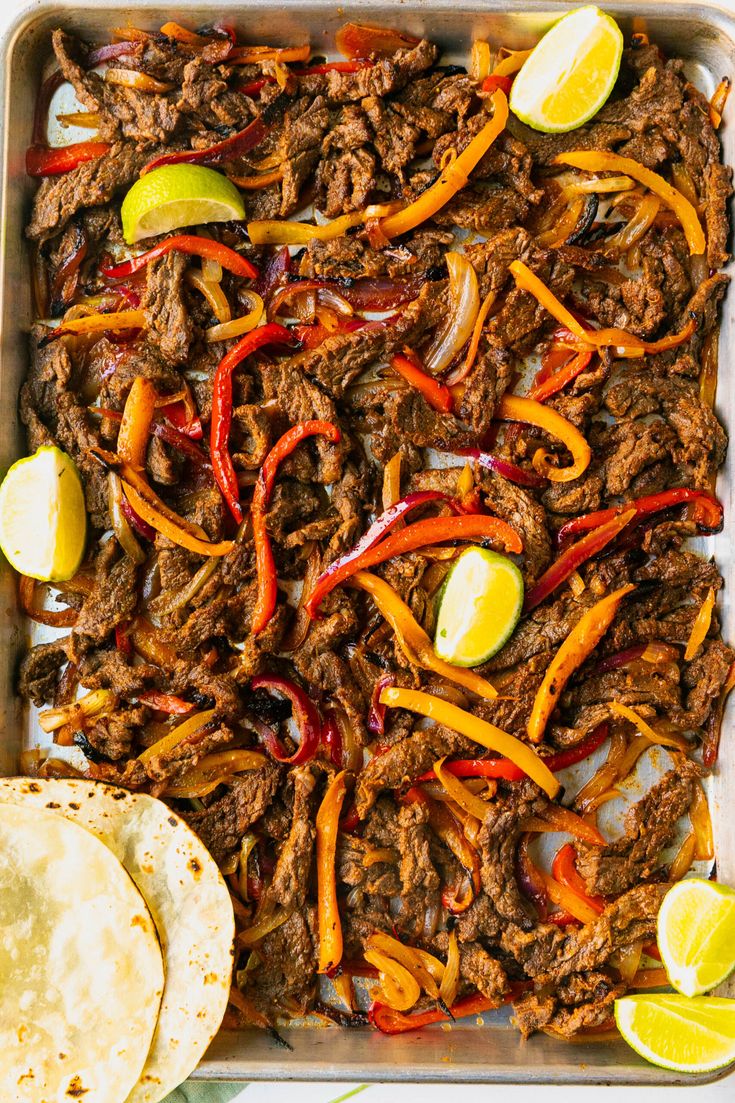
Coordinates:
[96,323]
[275,231]
[398,988]
[211,771]
[487,735]
[511,63]
[135,427]
[414,641]
[513,408]
[188,728]
[627,713]
[592,160]
[265,564]
[459,792]
[626,344]
[327,826]
[452,178]
[154,512]
[700,628]
[581,641]
[568,899]
[450,981]
[426,969]
[555,818]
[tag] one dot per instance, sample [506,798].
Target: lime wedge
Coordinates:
[570,73]
[479,607]
[696,935]
[675,1032]
[178,195]
[43,524]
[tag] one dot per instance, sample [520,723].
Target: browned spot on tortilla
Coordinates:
[76,807]
[52,804]
[139,921]
[172,821]
[119,794]
[76,1089]
[210,978]
[34,787]
[30,1075]
[194,866]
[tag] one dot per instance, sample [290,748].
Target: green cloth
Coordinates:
[205,1093]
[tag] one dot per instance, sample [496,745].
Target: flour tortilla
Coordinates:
[81,972]
[188,900]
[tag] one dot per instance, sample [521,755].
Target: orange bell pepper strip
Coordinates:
[96,323]
[414,641]
[135,427]
[432,530]
[589,339]
[437,394]
[266,568]
[327,826]
[581,641]
[700,628]
[513,408]
[452,178]
[151,509]
[564,869]
[591,160]
[474,728]
[359,40]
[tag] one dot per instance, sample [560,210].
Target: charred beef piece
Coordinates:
[405,761]
[582,1001]
[291,876]
[40,669]
[169,325]
[222,825]
[649,828]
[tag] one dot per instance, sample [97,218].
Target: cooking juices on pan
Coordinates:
[255,408]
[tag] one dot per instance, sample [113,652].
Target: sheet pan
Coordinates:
[704,34]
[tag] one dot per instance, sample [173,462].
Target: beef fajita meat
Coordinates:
[354,377]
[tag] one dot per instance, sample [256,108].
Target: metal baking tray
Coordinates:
[704,34]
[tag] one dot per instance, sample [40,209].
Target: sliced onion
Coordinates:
[213,293]
[120,525]
[464,297]
[236,327]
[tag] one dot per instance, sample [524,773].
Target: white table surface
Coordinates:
[420,1093]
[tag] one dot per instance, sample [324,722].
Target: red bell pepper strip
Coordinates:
[184,417]
[504,83]
[708,511]
[376,713]
[267,581]
[389,1021]
[571,559]
[380,527]
[437,394]
[191,245]
[165,702]
[255,86]
[564,870]
[141,527]
[358,40]
[331,739]
[552,384]
[304,713]
[122,640]
[350,821]
[508,771]
[52,162]
[228,150]
[509,471]
[224,472]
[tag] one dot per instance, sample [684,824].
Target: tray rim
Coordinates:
[267,1065]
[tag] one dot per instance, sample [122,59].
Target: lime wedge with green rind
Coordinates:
[696,935]
[570,73]
[173,196]
[43,522]
[479,606]
[678,1033]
